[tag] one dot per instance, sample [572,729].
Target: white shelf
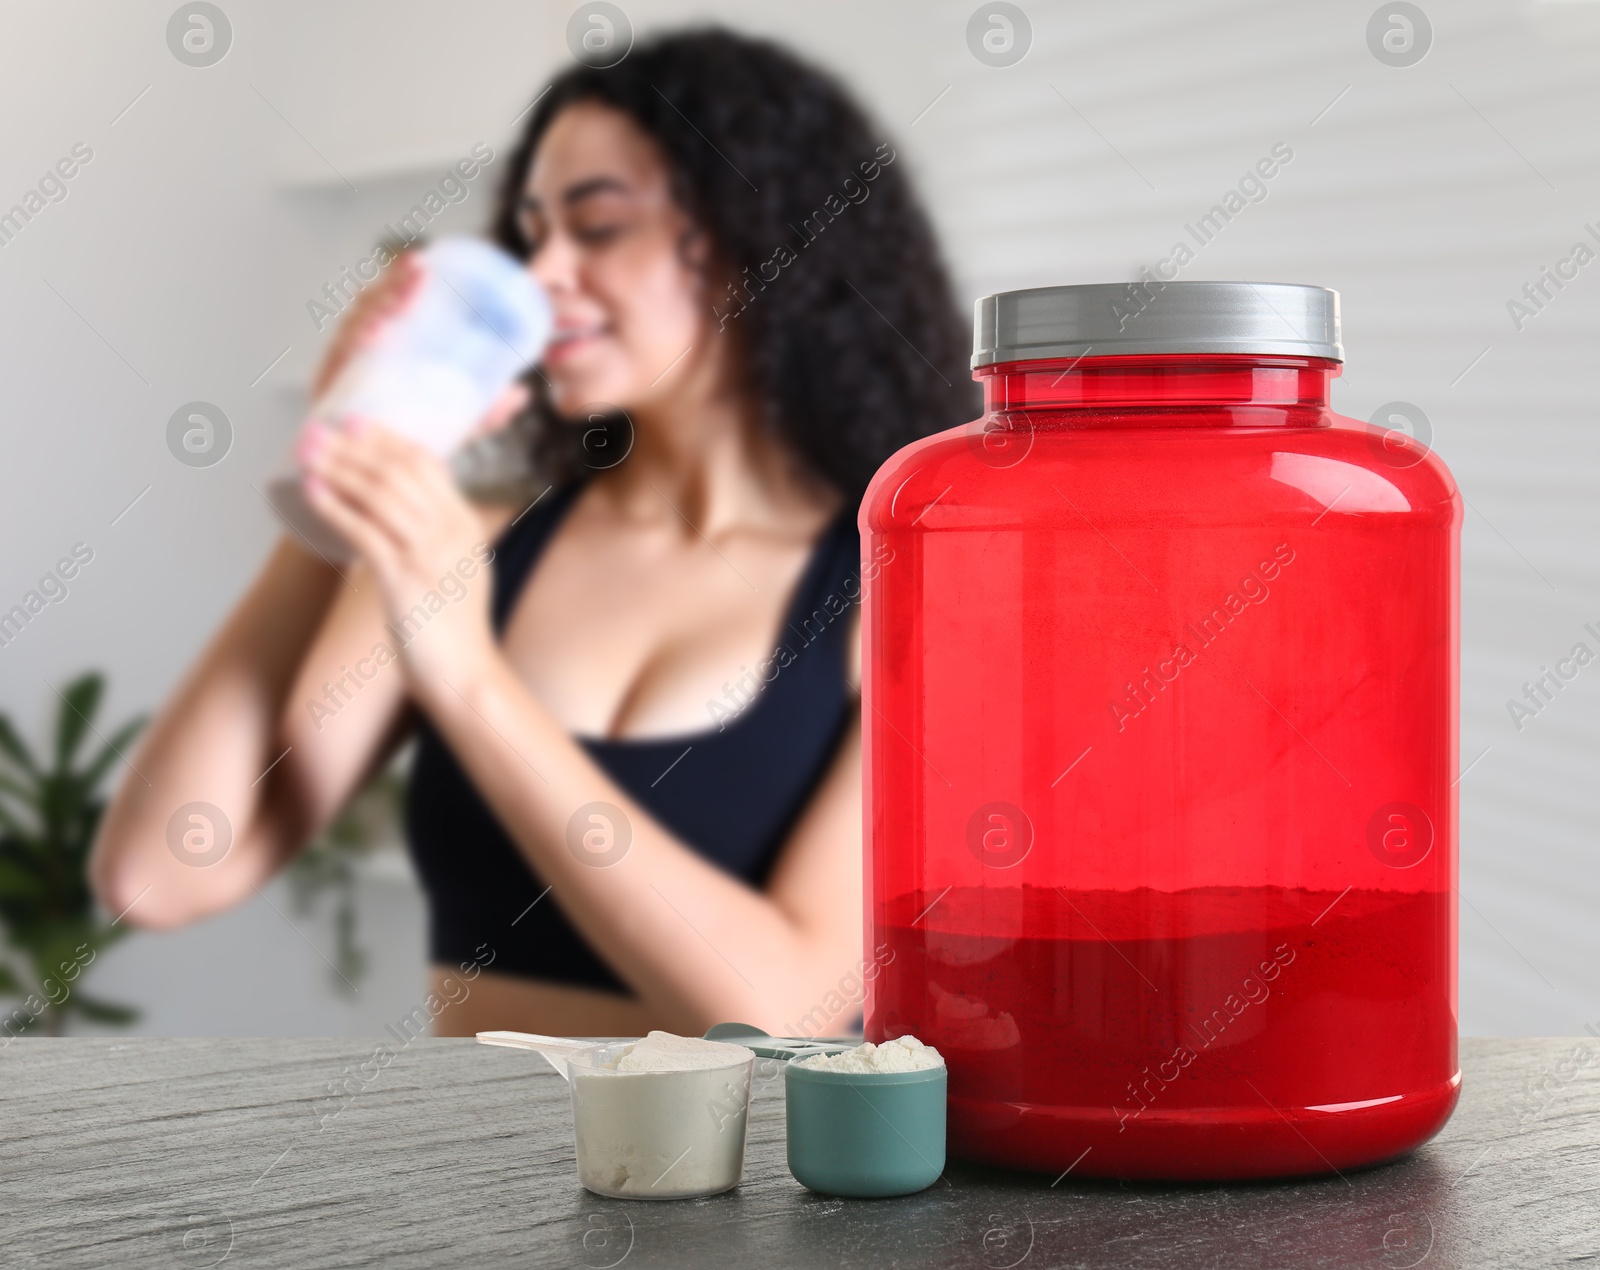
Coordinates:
[425,164]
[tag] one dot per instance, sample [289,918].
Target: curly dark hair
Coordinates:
[851,342]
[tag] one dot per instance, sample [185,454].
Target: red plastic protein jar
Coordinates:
[1160,727]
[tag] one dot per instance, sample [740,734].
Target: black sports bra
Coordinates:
[732,792]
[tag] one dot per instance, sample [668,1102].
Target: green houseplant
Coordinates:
[50,808]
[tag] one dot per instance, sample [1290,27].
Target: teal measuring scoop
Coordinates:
[865,1135]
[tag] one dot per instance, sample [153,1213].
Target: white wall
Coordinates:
[1426,195]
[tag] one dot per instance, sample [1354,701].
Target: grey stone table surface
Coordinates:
[199,1152]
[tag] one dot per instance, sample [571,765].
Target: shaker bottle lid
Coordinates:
[1107,319]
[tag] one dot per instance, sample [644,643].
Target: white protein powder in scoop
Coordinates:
[665,1052]
[666,1120]
[904,1054]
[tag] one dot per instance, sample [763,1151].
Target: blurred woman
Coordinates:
[635,800]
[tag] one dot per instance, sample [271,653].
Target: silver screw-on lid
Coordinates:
[1106,319]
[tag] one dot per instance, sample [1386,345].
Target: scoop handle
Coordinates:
[553,1048]
[777,1047]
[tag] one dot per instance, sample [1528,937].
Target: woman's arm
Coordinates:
[209,744]
[698,945]
[239,734]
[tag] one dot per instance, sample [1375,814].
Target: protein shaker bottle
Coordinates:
[477,321]
[1160,728]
